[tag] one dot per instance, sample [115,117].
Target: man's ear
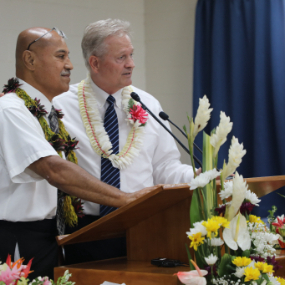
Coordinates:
[29,59]
[94,63]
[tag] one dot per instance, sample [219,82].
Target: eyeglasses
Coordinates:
[61,33]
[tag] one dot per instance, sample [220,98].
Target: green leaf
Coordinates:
[131,103]
[189,257]
[224,268]
[209,190]
[246,253]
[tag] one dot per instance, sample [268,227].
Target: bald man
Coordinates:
[31,169]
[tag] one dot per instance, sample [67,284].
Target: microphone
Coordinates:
[165,117]
[137,98]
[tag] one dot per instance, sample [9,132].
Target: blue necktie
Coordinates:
[110,174]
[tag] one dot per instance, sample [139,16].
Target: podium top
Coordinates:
[162,197]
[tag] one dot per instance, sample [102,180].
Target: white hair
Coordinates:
[95,34]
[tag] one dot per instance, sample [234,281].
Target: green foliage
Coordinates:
[246,253]
[189,257]
[226,267]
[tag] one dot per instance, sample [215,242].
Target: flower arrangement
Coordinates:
[233,246]
[16,273]
[277,225]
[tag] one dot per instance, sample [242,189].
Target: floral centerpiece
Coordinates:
[16,273]
[277,225]
[230,245]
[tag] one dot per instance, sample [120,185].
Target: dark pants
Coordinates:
[95,250]
[36,240]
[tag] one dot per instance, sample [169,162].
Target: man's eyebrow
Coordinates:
[63,50]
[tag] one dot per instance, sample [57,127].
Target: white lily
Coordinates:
[237,235]
[211,259]
[223,129]
[239,192]
[203,179]
[236,152]
[202,116]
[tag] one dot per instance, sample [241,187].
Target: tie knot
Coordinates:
[111,100]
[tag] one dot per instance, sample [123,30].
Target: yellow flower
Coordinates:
[251,274]
[196,240]
[211,226]
[267,268]
[280,280]
[222,221]
[255,219]
[259,265]
[241,261]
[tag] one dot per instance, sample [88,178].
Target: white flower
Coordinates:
[239,191]
[215,242]
[237,234]
[198,228]
[228,190]
[223,129]
[236,152]
[203,179]
[239,272]
[273,280]
[211,259]
[202,116]
[252,198]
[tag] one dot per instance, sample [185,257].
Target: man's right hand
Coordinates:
[133,196]
[1,95]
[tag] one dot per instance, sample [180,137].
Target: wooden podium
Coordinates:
[155,226]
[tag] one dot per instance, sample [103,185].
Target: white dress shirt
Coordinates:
[24,195]
[158,161]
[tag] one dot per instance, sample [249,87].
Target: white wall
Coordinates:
[71,16]
[163,41]
[169,38]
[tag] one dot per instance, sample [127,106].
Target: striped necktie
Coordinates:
[53,122]
[110,174]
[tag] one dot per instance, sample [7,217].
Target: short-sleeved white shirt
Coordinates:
[24,196]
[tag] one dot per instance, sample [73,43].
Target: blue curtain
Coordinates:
[239,63]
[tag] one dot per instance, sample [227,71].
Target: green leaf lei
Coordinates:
[72,205]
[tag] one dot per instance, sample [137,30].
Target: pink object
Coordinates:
[138,113]
[193,277]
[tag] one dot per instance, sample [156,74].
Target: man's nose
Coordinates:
[130,62]
[68,64]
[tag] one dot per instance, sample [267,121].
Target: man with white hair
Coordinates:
[32,139]
[119,142]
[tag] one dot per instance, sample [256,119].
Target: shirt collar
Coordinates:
[34,93]
[101,96]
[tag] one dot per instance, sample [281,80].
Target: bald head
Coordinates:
[45,65]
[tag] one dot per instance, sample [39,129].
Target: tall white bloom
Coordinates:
[239,191]
[211,259]
[236,152]
[203,179]
[202,116]
[223,129]
[228,190]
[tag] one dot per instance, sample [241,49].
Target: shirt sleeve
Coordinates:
[22,142]
[167,166]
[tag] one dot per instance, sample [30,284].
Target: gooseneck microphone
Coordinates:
[165,117]
[137,98]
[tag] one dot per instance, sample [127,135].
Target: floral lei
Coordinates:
[72,206]
[95,130]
